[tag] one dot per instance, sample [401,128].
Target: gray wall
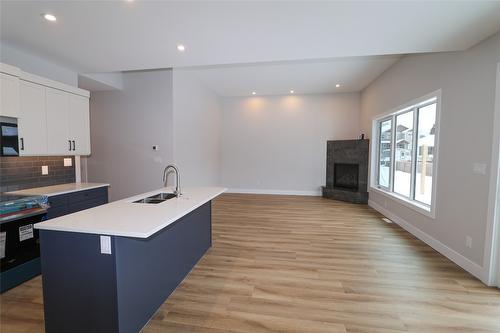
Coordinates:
[197,130]
[467,80]
[124,126]
[277,144]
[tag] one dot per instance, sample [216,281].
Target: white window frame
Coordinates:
[378,134]
[427,210]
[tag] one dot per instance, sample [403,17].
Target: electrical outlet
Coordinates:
[68,162]
[45,169]
[468,242]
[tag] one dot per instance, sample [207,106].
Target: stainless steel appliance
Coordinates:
[19,244]
[9,141]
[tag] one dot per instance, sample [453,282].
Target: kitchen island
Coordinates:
[109,268]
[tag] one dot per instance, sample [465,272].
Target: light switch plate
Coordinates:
[468,242]
[45,169]
[105,244]
[68,162]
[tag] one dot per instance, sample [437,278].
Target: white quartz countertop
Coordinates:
[59,189]
[129,219]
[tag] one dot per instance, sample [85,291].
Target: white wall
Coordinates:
[277,144]
[467,80]
[495,192]
[37,65]
[124,126]
[197,130]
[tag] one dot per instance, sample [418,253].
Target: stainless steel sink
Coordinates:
[157,198]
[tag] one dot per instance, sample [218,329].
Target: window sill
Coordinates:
[419,208]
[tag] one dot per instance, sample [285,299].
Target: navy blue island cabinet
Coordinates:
[85,290]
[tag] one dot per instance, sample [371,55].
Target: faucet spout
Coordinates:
[166,171]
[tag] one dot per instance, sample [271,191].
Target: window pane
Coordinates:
[385,153]
[403,156]
[425,154]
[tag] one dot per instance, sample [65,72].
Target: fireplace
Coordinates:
[347,170]
[346,176]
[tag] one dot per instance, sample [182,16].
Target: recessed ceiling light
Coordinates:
[291,91]
[181,48]
[337,85]
[49,17]
[254,93]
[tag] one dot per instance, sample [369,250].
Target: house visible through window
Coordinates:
[406,153]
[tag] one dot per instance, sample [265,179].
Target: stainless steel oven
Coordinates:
[19,243]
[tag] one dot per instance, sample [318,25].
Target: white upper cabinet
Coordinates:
[32,122]
[52,117]
[9,95]
[79,124]
[57,108]
[68,123]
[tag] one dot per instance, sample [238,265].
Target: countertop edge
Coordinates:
[52,194]
[41,226]
[78,190]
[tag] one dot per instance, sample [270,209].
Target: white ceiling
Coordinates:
[304,77]
[106,36]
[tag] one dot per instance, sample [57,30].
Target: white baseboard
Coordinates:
[276,192]
[451,254]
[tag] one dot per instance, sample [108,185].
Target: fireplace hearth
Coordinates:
[347,170]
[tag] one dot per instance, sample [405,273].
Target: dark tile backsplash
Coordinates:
[18,173]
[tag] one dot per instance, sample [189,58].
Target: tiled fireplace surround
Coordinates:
[19,172]
[343,159]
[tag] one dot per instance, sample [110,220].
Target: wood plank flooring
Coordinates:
[305,264]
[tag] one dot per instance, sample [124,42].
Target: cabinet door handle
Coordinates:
[74,145]
[69,141]
[22,143]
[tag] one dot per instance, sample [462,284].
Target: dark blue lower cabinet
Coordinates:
[87,291]
[64,204]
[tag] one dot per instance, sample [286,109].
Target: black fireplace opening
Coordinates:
[346,176]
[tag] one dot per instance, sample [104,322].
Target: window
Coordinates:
[425,144]
[403,158]
[385,130]
[406,153]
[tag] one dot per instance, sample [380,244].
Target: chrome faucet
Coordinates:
[168,168]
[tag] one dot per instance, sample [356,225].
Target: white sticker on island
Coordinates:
[25,232]
[105,245]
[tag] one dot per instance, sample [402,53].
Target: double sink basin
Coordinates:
[157,198]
